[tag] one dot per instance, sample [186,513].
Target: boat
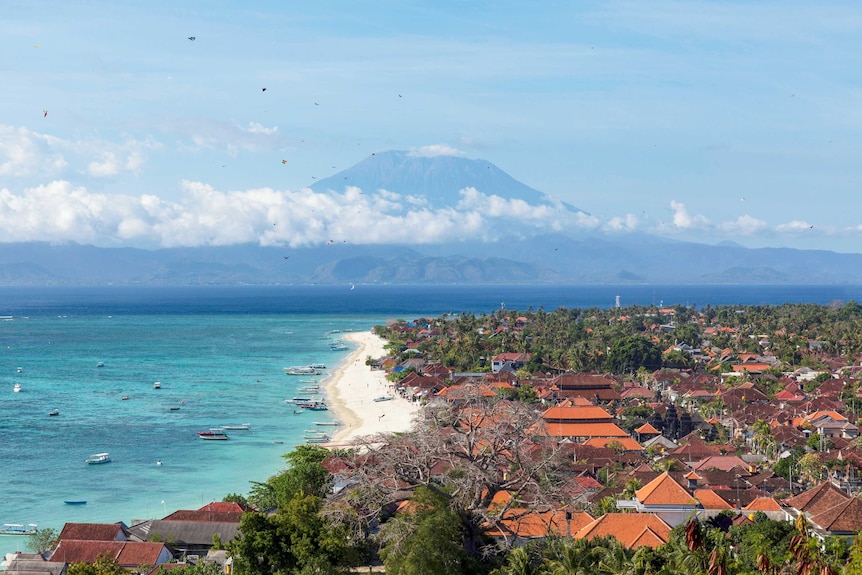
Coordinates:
[317,366]
[335,423]
[242,427]
[174,408]
[16,388]
[338,346]
[76,502]
[157,385]
[383,398]
[313,405]
[54,412]
[19,369]
[298,400]
[301,370]
[125,397]
[310,389]
[100,364]
[318,439]
[214,434]
[18,529]
[98,458]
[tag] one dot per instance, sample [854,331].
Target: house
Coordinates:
[192,537]
[829,510]
[30,564]
[597,388]
[510,361]
[94,532]
[664,497]
[129,554]
[632,530]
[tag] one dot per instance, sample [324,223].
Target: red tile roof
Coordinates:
[93,532]
[126,553]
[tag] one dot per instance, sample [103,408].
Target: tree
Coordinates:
[424,540]
[305,476]
[42,540]
[632,352]
[101,566]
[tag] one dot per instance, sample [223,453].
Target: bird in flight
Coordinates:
[263,89]
[192,38]
[284,161]
[44,113]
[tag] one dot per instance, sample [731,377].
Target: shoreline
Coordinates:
[351,390]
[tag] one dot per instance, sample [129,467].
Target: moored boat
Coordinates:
[301,370]
[214,434]
[98,459]
[75,502]
[241,427]
[157,385]
[18,529]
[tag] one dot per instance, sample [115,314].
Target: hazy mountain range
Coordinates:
[434,181]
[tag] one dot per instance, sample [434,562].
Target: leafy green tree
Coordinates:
[425,540]
[101,566]
[42,540]
[236,498]
[294,539]
[304,476]
[631,353]
[199,568]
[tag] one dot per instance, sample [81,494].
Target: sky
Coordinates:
[165,123]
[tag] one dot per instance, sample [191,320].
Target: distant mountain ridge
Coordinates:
[584,258]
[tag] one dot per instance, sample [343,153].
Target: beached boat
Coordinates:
[98,459]
[54,412]
[301,370]
[215,434]
[383,398]
[16,388]
[18,529]
[75,502]
[241,427]
[335,423]
[298,400]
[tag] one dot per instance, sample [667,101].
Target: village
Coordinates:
[733,436]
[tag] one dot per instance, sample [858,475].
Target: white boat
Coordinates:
[310,389]
[383,398]
[157,385]
[338,346]
[19,369]
[317,366]
[100,364]
[16,388]
[214,434]
[335,423]
[301,370]
[54,412]
[18,529]
[98,459]
[317,439]
[241,427]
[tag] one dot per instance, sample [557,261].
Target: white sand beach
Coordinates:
[352,388]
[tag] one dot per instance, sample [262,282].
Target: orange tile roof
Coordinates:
[535,524]
[763,504]
[575,413]
[818,414]
[580,430]
[630,529]
[628,443]
[709,499]
[664,490]
[647,428]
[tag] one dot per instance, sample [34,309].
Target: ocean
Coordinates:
[219,354]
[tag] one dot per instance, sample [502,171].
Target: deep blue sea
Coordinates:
[219,353]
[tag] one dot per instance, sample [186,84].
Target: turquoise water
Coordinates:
[219,353]
[218,369]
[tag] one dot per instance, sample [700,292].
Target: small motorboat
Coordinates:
[54,412]
[157,385]
[98,459]
[241,427]
[125,397]
[16,388]
[214,434]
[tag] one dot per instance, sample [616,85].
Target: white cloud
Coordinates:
[627,223]
[255,128]
[794,226]
[744,225]
[433,151]
[683,220]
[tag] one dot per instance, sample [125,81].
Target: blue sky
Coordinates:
[700,121]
